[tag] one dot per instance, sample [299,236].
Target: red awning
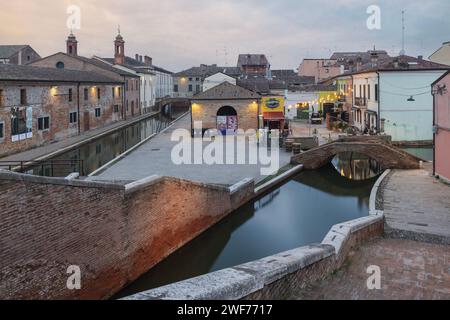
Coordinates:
[273,115]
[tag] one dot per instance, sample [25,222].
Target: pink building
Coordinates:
[442,127]
[320,69]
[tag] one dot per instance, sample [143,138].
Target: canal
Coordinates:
[93,155]
[298,213]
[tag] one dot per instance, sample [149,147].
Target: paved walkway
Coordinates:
[154,158]
[409,270]
[303,129]
[50,150]
[417,206]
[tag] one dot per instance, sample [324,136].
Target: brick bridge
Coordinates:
[388,156]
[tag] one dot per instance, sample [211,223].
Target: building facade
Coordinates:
[440,90]
[254,64]
[442,55]
[17,54]
[40,105]
[189,82]
[227,108]
[72,61]
[320,69]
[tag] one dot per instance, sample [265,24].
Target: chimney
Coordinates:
[140,58]
[136,57]
[374,59]
[358,64]
[148,60]
[420,58]
[396,63]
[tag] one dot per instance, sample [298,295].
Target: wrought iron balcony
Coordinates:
[361,102]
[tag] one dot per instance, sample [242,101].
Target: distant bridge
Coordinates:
[176,102]
[388,156]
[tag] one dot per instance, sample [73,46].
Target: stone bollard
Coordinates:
[288,145]
[297,148]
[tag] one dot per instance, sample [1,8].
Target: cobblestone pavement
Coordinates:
[409,270]
[416,203]
[42,151]
[303,129]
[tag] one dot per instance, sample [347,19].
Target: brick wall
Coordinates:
[53,101]
[113,232]
[206,111]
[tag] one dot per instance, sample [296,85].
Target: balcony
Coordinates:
[361,102]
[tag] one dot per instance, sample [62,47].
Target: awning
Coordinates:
[273,116]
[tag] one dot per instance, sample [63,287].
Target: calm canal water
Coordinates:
[425,153]
[299,213]
[97,153]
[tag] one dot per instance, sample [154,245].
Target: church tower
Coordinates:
[72,45]
[119,50]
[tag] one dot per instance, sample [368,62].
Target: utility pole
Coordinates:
[402,53]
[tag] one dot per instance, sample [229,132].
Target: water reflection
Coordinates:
[356,166]
[298,213]
[99,152]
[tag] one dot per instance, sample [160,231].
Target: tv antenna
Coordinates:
[402,52]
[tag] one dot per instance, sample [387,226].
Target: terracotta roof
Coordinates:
[29,73]
[226,91]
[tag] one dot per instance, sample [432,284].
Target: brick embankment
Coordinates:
[113,232]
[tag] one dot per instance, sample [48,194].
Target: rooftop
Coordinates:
[6,51]
[226,91]
[30,73]
[204,71]
[252,60]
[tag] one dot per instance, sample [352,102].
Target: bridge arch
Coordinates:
[388,156]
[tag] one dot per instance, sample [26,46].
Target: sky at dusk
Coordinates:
[179,34]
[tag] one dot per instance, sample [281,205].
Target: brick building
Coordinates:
[39,105]
[254,64]
[17,54]
[227,107]
[72,61]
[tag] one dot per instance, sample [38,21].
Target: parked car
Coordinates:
[316,118]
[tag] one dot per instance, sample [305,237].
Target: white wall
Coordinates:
[408,120]
[164,84]
[292,98]
[216,79]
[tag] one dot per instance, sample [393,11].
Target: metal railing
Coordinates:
[361,102]
[22,166]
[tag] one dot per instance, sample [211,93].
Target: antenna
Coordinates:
[226,56]
[118,28]
[402,53]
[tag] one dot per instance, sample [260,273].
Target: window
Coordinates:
[98,93]
[112,92]
[190,88]
[73,117]
[364,92]
[368,91]
[86,94]
[23,96]
[376,92]
[43,123]
[190,79]
[19,123]
[1,97]
[2,130]
[127,105]
[60,65]
[126,85]
[98,112]
[98,148]
[116,108]
[197,88]
[175,88]
[119,90]
[70,95]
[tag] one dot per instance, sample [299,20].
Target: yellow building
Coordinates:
[272,112]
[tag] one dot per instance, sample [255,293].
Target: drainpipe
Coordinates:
[434,131]
[379,109]
[78,108]
[124,110]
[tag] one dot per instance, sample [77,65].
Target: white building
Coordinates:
[164,82]
[216,79]
[394,97]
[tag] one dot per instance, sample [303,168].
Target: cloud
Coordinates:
[182,33]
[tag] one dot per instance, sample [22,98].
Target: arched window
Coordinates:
[60,65]
[227,111]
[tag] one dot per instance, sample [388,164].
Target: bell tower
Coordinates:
[72,45]
[119,49]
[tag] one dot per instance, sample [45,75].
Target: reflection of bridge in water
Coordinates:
[376,148]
